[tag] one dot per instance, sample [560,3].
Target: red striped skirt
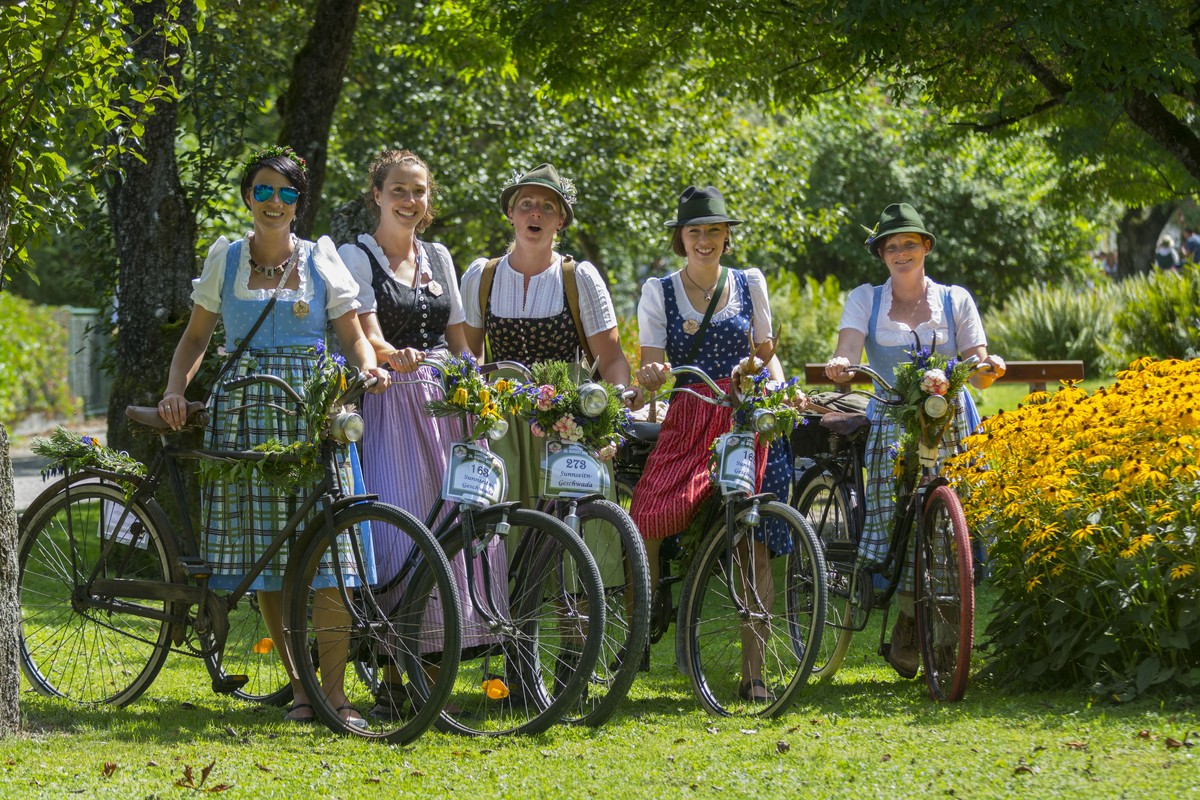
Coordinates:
[676,480]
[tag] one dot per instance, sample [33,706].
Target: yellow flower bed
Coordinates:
[1090,504]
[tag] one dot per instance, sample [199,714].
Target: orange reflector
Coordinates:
[263,646]
[495,689]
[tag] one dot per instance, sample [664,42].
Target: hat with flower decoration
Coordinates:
[547,177]
[896,218]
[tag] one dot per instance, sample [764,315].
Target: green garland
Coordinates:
[296,464]
[70,452]
[555,410]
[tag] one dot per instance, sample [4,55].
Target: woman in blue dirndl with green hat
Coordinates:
[907,311]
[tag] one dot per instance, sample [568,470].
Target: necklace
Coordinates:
[708,293]
[269,271]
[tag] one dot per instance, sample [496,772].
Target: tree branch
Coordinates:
[1148,113]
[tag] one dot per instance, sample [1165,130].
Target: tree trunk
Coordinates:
[1137,236]
[10,609]
[313,92]
[155,232]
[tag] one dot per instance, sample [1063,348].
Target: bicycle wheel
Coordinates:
[827,509]
[75,644]
[532,648]
[348,626]
[617,548]
[742,611]
[249,651]
[945,595]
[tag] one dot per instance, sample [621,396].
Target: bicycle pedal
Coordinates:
[195,567]
[228,684]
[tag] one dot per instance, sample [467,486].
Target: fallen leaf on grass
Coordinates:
[712,730]
[186,705]
[1145,734]
[229,731]
[262,767]
[1173,743]
[886,757]
[782,747]
[1026,769]
[416,773]
[152,763]
[680,740]
[109,768]
[374,779]
[1076,745]
[750,731]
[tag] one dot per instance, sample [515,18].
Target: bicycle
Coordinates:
[109,587]
[534,618]
[828,492]
[728,602]
[574,487]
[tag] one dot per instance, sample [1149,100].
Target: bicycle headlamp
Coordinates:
[936,406]
[497,429]
[593,399]
[764,420]
[347,427]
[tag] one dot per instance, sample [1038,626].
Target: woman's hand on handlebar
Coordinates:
[838,370]
[382,379]
[634,397]
[652,376]
[988,371]
[405,360]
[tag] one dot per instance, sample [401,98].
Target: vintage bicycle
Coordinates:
[928,522]
[733,597]
[109,587]
[532,598]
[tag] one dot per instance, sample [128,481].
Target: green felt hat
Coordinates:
[701,206]
[897,218]
[546,176]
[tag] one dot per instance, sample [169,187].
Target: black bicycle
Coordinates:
[829,493]
[733,596]
[109,587]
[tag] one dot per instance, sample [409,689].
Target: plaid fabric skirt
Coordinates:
[241,518]
[875,543]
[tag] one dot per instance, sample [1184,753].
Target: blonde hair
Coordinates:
[378,171]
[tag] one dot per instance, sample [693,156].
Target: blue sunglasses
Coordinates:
[287,195]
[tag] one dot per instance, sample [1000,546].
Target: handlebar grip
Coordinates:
[274,380]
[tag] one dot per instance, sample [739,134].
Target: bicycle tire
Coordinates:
[710,633]
[827,508]
[537,664]
[249,651]
[321,629]
[945,602]
[91,655]
[615,542]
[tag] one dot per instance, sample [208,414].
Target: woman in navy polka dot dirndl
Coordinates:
[671,317]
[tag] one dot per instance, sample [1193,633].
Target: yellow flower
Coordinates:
[485,397]
[489,411]
[1182,571]
[460,397]
[502,386]
[1033,583]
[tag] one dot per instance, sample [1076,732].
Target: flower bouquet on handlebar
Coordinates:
[584,424]
[468,395]
[927,389]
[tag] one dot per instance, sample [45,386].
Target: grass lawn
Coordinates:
[867,733]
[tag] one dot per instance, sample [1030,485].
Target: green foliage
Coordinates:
[67,91]
[1047,322]
[806,313]
[1160,316]
[33,361]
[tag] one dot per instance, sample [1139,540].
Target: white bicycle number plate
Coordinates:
[735,463]
[474,476]
[571,470]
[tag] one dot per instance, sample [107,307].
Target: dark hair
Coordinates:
[286,167]
[377,172]
[877,245]
[677,241]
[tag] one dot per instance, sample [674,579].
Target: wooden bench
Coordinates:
[1036,373]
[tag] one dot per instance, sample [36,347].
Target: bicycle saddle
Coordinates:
[844,423]
[645,431]
[197,416]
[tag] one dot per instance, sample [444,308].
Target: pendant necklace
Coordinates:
[708,293]
[270,272]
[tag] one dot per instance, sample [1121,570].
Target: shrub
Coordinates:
[1160,316]
[1049,323]
[33,361]
[1092,501]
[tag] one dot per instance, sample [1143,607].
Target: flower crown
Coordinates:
[275,151]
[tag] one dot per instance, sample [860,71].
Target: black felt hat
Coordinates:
[701,206]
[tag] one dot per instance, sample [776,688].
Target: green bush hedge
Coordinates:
[33,361]
[1051,323]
